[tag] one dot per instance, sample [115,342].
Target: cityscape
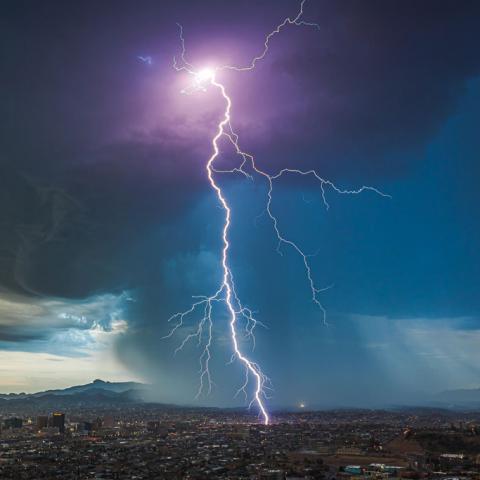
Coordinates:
[239,240]
[146,441]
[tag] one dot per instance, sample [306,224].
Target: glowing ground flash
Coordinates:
[242,321]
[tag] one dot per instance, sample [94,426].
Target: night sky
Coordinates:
[108,223]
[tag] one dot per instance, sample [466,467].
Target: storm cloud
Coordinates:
[103,188]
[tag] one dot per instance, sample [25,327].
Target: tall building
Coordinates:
[97,424]
[58,420]
[42,422]
[85,427]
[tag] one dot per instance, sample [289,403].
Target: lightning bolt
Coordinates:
[226,293]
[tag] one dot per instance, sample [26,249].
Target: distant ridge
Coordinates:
[97,386]
[97,394]
[461,397]
[105,393]
[117,387]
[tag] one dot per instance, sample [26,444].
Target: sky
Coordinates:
[109,225]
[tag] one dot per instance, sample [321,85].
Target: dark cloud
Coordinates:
[365,93]
[78,233]
[102,180]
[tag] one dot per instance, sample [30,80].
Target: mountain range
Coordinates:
[461,398]
[97,386]
[103,393]
[99,393]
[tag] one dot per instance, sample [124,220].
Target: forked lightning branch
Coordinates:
[242,322]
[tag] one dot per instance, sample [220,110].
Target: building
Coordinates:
[353,469]
[58,420]
[85,427]
[42,422]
